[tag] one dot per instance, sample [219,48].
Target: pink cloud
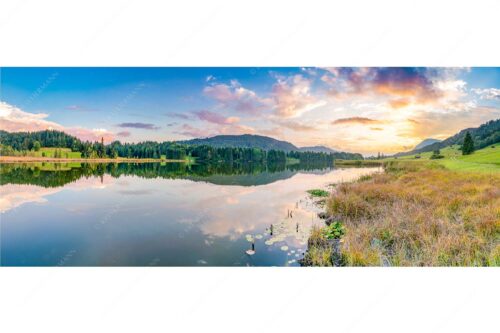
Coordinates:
[236,129]
[194,132]
[123,134]
[13,119]
[237,98]
[215,118]
[293,97]
[294,126]
[190,131]
[85,134]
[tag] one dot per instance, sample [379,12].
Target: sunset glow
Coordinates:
[365,110]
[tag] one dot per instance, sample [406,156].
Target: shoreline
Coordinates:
[412,214]
[29,159]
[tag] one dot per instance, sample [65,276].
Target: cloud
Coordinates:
[236,129]
[90,135]
[402,86]
[230,128]
[77,108]
[292,97]
[13,119]
[399,103]
[178,115]
[405,82]
[236,97]
[295,126]
[145,126]
[123,134]
[215,118]
[442,125]
[376,128]
[356,120]
[190,131]
[490,93]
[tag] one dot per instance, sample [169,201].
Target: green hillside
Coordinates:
[51,152]
[484,160]
[483,136]
[244,141]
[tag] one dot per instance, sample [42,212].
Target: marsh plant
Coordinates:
[419,214]
[334,231]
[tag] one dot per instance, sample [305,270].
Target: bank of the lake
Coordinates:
[30,159]
[415,213]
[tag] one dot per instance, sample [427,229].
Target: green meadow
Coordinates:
[51,152]
[482,160]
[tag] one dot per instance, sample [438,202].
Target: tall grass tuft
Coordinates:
[420,214]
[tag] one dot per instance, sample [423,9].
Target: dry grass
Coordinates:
[319,252]
[420,215]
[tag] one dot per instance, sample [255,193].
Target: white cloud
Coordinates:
[293,97]
[13,119]
[490,93]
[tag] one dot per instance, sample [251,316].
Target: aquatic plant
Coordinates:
[318,193]
[334,231]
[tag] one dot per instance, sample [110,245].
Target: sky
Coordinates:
[354,109]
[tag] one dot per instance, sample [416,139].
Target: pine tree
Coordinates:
[468,146]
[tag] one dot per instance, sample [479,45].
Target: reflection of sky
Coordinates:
[119,219]
[12,196]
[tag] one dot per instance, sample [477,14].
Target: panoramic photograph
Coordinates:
[250,166]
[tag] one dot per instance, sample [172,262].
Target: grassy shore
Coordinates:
[359,163]
[32,159]
[483,160]
[417,213]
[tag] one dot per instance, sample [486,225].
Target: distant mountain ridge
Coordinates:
[318,149]
[244,141]
[265,143]
[484,135]
[426,142]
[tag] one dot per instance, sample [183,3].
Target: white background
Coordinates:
[249,33]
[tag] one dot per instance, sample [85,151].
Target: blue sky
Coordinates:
[354,109]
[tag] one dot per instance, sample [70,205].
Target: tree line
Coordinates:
[28,141]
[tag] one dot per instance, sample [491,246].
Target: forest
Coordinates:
[16,143]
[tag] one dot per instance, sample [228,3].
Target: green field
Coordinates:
[483,160]
[49,152]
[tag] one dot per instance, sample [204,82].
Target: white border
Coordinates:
[249,33]
[249,299]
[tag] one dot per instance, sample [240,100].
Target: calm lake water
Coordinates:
[158,214]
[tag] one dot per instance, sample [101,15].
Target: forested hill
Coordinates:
[318,149]
[244,141]
[484,135]
[47,138]
[266,143]
[252,148]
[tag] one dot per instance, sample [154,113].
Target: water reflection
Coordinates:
[158,214]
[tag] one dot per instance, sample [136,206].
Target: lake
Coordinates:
[159,214]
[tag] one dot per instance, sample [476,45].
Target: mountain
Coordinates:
[426,142]
[484,135]
[318,149]
[266,143]
[244,141]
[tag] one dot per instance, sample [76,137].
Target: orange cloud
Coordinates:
[356,120]
[399,103]
[293,97]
